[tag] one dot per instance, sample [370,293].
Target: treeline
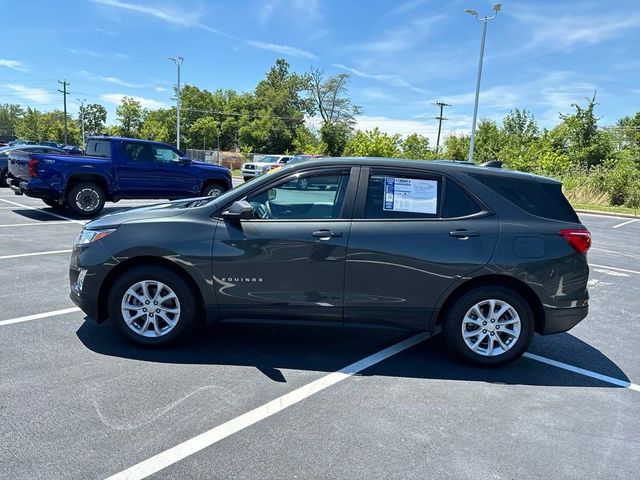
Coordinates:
[597,165]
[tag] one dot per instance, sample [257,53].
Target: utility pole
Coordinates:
[440,119]
[484,20]
[178,61]
[218,146]
[82,119]
[64,93]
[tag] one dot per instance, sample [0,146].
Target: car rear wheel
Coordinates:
[489,326]
[86,199]
[152,305]
[213,190]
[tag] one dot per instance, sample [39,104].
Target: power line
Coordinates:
[440,119]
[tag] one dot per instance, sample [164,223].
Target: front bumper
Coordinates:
[251,173]
[87,305]
[562,319]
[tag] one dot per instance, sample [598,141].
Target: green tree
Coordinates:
[129,114]
[94,117]
[329,99]
[10,115]
[159,125]
[417,147]
[29,126]
[204,132]
[456,147]
[373,143]
[488,141]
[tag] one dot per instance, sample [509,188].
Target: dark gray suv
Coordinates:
[488,255]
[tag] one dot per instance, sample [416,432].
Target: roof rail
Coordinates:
[492,164]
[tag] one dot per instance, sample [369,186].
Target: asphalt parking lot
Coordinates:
[76,401]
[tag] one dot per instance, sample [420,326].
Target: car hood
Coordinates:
[208,166]
[161,210]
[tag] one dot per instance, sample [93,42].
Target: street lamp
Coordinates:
[84,141]
[178,61]
[485,20]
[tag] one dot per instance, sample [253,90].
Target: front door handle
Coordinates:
[462,234]
[326,234]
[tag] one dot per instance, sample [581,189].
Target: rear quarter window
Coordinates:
[99,148]
[457,203]
[544,200]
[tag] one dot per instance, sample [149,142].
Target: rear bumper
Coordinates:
[562,319]
[20,187]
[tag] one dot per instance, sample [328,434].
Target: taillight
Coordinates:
[578,238]
[32,165]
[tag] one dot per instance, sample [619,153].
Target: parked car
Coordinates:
[52,144]
[260,167]
[114,168]
[487,254]
[72,149]
[4,157]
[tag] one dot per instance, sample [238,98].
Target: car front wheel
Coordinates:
[86,199]
[489,326]
[152,305]
[213,190]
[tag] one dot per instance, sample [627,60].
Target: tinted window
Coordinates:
[136,152]
[306,197]
[541,199]
[456,202]
[99,148]
[402,196]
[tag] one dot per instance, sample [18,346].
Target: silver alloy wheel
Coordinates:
[213,192]
[491,327]
[87,199]
[150,308]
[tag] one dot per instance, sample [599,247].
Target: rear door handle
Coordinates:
[326,234]
[462,234]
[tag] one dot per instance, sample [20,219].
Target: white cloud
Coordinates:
[37,95]
[402,38]
[116,98]
[122,83]
[409,5]
[173,15]
[283,49]
[393,80]
[161,89]
[94,54]
[13,65]
[376,94]
[564,32]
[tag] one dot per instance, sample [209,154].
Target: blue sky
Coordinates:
[402,55]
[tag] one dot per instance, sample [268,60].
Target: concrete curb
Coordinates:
[607,214]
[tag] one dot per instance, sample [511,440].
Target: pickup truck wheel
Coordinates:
[489,326]
[152,305]
[85,199]
[3,178]
[213,190]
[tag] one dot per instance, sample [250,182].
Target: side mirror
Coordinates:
[271,194]
[240,210]
[184,161]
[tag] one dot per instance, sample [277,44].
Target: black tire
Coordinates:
[86,199]
[3,178]
[53,203]
[213,190]
[188,317]
[246,179]
[452,327]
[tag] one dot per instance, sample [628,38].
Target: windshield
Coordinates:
[268,159]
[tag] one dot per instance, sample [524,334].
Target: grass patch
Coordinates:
[606,208]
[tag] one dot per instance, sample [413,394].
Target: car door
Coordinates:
[137,172]
[175,177]
[287,263]
[413,236]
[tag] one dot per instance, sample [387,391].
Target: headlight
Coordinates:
[88,236]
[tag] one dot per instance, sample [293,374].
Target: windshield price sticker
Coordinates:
[410,195]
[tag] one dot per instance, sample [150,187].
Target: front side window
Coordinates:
[135,152]
[164,154]
[319,196]
[399,195]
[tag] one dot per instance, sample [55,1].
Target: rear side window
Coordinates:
[135,152]
[457,202]
[541,199]
[99,148]
[397,195]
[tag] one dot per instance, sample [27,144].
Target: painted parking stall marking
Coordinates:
[62,217]
[185,449]
[625,223]
[38,316]
[35,254]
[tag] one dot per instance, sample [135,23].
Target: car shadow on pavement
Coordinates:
[48,214]
[272,348]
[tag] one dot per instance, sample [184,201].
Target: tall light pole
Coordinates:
[178,61]
[84,141]
[485,20]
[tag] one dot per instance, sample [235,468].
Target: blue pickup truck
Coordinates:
[112,169]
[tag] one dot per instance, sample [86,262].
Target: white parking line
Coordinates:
[33,224]
[38,316]
[614,268]
[625,223]
[582,371]
[43,211]
[175,454]
[20,255]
